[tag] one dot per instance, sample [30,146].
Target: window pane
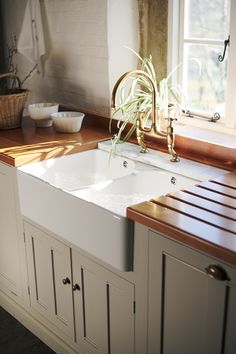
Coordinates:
[204,78]
[207,19]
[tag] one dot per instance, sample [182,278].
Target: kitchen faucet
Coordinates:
[155,129]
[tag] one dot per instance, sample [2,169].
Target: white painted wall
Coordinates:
[85,53]
[122,33]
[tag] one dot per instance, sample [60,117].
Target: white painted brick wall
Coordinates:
[78,64]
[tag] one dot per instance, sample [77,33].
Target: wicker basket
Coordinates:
[12,103]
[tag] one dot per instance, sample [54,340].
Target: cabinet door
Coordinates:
[104,309]
[49,269]
[186,307]
[9,247]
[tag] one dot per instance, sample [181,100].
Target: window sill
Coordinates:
[212,133]
[203,145]
[212,147]
[215,148]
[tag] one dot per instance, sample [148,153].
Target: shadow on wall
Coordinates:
[58,82]
[48,40]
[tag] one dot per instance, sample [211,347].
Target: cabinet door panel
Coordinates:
[9,248]
[48,264]
[189,297]
[93,309]
[41,276]
[61,266]
[90,306]
[186,307]
[104,309]
[121,315]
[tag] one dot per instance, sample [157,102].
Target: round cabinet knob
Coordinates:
[216,272]
[76,287]
[66,281]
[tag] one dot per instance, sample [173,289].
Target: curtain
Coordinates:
[1,41]
[153,17]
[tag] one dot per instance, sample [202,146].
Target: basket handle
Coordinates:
[12,75]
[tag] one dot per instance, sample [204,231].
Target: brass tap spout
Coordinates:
[154,95]
[155,123]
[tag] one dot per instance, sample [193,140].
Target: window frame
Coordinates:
[174,55]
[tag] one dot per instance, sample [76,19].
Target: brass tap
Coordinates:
[170,140]
[155,129]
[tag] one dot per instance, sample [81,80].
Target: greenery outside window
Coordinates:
[197,33]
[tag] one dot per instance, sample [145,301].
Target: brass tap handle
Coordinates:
[66,281]
[170,139]
[140,137]
[216,272]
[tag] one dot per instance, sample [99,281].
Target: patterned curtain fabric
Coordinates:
[153,16]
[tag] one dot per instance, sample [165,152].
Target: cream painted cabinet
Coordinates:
[50,281]
[189,311]
[91,305]
[104,309]
[10,277]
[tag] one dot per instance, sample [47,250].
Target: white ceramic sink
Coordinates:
[83,198]
[80,170]
[137,187]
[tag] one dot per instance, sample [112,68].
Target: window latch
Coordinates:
[215,118]
[226,43]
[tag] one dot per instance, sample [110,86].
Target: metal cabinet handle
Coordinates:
[216,272]
[76,287]
[66,281]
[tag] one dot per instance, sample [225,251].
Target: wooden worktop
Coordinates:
[203,216]
[30,144]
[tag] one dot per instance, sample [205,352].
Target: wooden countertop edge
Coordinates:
[7,159]
[46,146]
[36,156]
[193,241]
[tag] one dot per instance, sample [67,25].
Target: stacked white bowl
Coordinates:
[41,113]
[67,122]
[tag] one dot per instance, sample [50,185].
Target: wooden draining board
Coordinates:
[203,216]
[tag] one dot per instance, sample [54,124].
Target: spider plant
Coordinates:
[135,99]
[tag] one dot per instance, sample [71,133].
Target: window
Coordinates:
[198,30]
